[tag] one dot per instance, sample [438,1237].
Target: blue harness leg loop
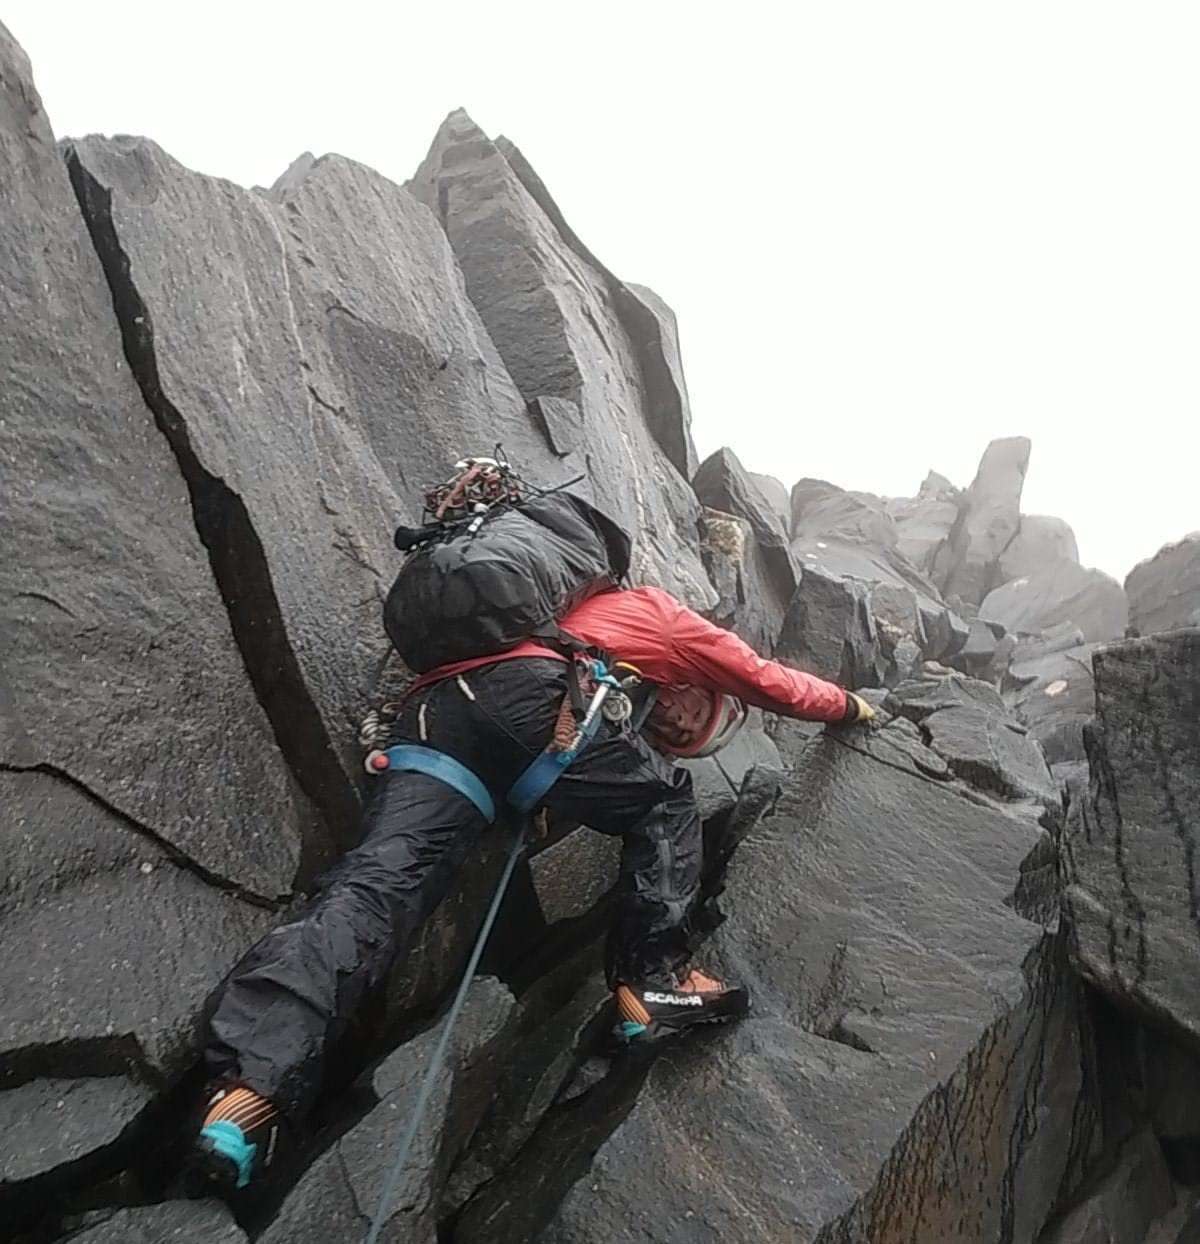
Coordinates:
[534,784]
[435,764]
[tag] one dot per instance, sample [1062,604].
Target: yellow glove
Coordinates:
[863,714]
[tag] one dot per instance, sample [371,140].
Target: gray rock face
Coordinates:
[1128,1201]
[966,723]
[823,511]
[119,948]
[53,1123]
[909,1027]
[1053,694]
[1040,541]
[901,603]
[987,652]
[722,483]
[1062,593]
[654,334]
[923,523]
[337,1197]
[648,322]
[175,1222]
[310,398]
[851,536]
[1129,843]
[563,332]
[753,591]
[575,873]
[1164,590]
[778,498]
[115,649]
[989,518]
[829,630]
[189,635]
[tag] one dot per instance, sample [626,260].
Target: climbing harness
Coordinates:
[524,797]
[610,701]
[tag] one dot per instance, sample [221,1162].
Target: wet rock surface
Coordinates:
[340,1194]
[965,722]
[1129,844]
[176,1222]
[1053,693]
[218,404]
[112,627]
[558,325]
[884,1008]
[1126,1204]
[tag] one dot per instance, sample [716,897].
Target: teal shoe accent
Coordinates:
[229,1141]
[626,1030]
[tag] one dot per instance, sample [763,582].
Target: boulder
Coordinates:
[823,511]
[118,672]
[966,723]
[923,523]
[778,498]
[722,483]
[336,1198]
[564,329]
[648,322]
[989,516]
[1040,542]
[1125,1204]
[557,1036]
[1128,845]
[753,592]
[902,603]
[850,536]
[1054,696]
[909,1028]
[1060,594]
[1164,590]
[987,652]
[829,630]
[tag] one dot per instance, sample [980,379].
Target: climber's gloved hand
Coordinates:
[858,711]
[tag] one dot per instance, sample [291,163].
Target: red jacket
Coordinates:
[673,646]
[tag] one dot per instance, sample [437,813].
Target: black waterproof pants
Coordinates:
[274,1017]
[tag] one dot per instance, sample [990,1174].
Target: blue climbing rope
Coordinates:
[439,1053]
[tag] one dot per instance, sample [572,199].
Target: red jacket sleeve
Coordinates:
[720,660]
[670,644]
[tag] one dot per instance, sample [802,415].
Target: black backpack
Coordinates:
[480,586]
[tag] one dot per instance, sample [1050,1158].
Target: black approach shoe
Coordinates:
[238,1141]
[650,1013]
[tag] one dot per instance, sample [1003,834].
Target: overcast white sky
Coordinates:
[891,231]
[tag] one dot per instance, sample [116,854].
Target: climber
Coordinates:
[275,1016]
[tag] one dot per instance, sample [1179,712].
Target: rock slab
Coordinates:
[1129,844]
